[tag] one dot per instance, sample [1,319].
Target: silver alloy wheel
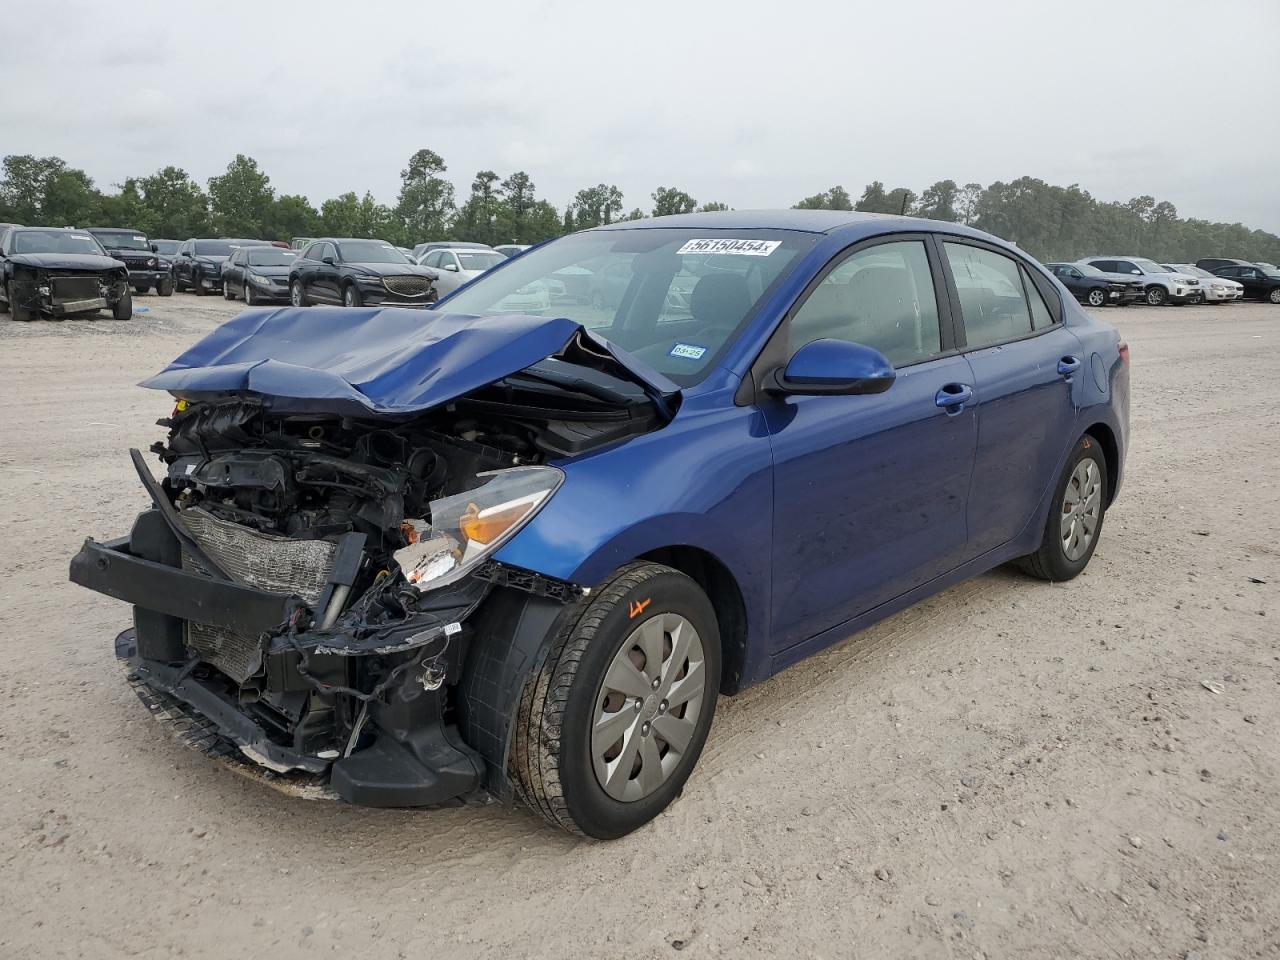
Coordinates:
[1155,296]
[295,293]
[246,287]
[647,707]
[1275,295]
[349,296]
[1081,508]
[1096,298]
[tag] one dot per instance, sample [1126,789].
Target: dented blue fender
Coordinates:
[382,360]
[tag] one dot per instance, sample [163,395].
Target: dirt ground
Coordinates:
[1010,769]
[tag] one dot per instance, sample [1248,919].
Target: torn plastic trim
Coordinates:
[529,581]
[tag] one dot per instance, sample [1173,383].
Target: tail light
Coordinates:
[1124,353]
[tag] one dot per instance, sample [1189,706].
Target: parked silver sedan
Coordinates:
[1215,289]
[459,265]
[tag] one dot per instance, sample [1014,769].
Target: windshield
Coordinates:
[166,247]
[1088,270]
[1150,266]
[482,260]
[123,240]
[370,251]
[271,257]
[55,241]
[213,248]
[672,297]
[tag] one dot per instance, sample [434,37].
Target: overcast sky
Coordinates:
[754,104]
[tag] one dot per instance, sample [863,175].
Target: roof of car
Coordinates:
[350,240]
[113,230]
[809,221]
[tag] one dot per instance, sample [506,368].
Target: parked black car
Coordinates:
[198,265]
[258,274]
[1259,283]
[1092,286]
[60,272]
[356,272]
[166,252]
[1213,264]
[133,249]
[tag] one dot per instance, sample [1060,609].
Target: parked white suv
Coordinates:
[1216,289]
[1162,286]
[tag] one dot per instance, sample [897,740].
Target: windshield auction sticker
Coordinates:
[724,245]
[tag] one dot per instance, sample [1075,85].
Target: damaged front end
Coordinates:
[310,582]
[66,292]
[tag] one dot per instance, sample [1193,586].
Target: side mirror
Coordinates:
[329,259]
[834,367]
[451,267]
[155,248]
[1136,273]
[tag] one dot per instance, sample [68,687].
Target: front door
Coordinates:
[869,491]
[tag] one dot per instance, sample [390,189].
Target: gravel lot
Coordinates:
[1010,769]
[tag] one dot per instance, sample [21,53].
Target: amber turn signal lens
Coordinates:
[489,525]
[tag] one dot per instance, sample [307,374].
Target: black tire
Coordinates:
[123,310]
[550,760]
[1157,296]
[165,287]
[4,304]
[248,293]
[141,291]
[196,286]
[297,296]
[1050,562]
[351,296]
[1097,297]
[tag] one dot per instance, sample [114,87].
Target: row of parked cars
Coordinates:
[1120,280]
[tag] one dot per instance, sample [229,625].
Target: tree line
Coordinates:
[1049,222]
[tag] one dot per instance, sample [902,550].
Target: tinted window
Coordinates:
[1124,266]
[1106,266]
[122,239]
[882,297]
[166,247]
[992,301]
[370,251]
[267,257]
[1040,315]
[55,241]
[481,260]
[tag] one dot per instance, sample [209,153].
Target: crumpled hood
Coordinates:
[381,360]
[66,261]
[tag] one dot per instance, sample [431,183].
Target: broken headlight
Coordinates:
[468,527]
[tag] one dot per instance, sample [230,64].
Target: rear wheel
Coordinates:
[1097,297]
[296,296]
[1075,521]
[1274,296]
[1156,296]
[615,713]
[141,291]
[165,287]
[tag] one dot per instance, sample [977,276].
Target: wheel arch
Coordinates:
[1105,437]
[721,587]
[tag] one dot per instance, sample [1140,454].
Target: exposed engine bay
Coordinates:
[305,580]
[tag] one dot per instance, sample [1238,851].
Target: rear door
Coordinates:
[1024,363]
[869,491]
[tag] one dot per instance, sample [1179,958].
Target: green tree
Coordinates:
[291,216]
[127,209]
[901,201]
[351,216]
[45,191]
[516,208]
[873,199]
[426,204]
[478,218]
[568,224]
[71,201]
[541,223]
[240,200]
[714,206]
[670,200]
[597,205]
[967,203]
[837,198]
[179,208]
[938,202]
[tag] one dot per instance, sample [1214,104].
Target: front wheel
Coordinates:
[351,296]
[1156,296]
[197,286]
[1075,518]
[226,290]
[1274,296]
[296,296]
[123,308]
[1097,297]
[249,301]
[616,711]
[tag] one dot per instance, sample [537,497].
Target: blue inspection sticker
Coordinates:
[687,351]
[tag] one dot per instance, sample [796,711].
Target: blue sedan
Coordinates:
[411,556]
